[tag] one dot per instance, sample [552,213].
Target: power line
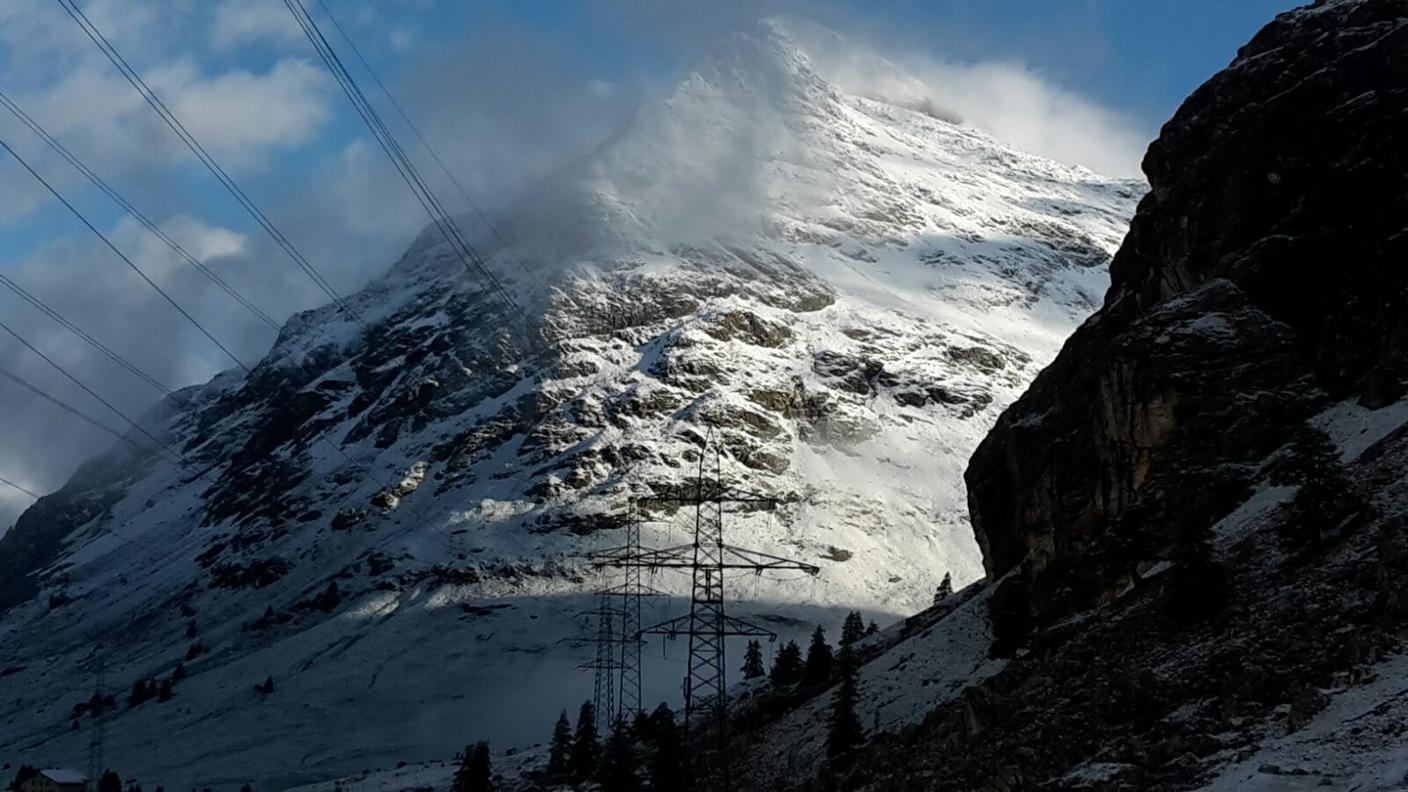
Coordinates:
[74,411]
[78,331]
[424,195]
[79,383]
[15,486]
[415,130]
[174,123]
[112,193]
[74,210]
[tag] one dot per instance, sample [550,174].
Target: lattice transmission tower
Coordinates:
[707,625]
[606,665]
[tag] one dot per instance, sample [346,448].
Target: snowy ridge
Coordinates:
[847,291]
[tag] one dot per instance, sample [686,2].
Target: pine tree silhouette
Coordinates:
[871,629]
[560,750]
[819,660]
[845,730]
[109,782]
[1325,496]
[945,589]
[585,750]
[22,775]
[474,773]
[753,661]
[787,666]
[618,764]
[667,767]
[853,630]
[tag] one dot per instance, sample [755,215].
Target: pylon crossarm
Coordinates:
[624,589]
[731,626]
[679,557]
[734,626]
[743,558]
[722,495]
[600,611]
[669,629]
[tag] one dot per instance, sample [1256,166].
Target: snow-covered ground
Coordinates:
[897,688]
[848,290]
[1356,744]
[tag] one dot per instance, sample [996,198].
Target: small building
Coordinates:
[56,781]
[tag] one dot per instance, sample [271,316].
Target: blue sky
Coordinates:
[509,90]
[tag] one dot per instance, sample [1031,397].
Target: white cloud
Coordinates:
[240,22]
[240,116]
[242,113]
[1009,100]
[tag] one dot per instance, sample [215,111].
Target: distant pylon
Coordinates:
[96,760]
[606,664]
[631,593]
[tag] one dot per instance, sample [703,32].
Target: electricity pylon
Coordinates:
[620,650]
[606,665]
[95,729]
[707,625]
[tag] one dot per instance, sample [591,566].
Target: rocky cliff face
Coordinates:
[1262,278]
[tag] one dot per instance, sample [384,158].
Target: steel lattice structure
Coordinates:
[707,625]
[606,665]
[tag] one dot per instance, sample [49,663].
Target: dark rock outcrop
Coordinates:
[1265,275]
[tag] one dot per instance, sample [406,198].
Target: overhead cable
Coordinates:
[115,57]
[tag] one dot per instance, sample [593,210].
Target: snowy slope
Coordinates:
[847,291]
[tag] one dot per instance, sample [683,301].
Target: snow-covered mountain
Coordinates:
[385,516]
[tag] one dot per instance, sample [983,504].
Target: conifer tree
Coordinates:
[618,763]
[585,750]
[22,775]
[163,695]
[871,629]
[845,732]
[139,694]
[640,727]
[178,673]
[787,666]
[109,782]
[667,767]
[560,750]
[753,661]
[819,660]
[853,629]
[1325,496]
[662,718]
[474,773]
[945,589]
